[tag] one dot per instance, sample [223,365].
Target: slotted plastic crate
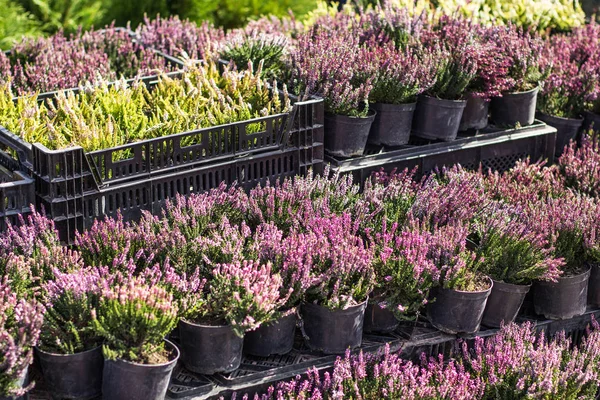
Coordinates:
[16,192]
[73,197]
[493,149]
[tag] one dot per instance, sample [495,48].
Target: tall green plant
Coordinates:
[66,15]
[16,23]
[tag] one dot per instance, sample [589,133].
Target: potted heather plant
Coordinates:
[237,297]
[253,47]
[593,258]
[570,83]
[523,50]
[276,335]
[402,279]
[489,82]
[329,63]
[513,256]
[69,350]
[456,52]
[341,278]
[20,322]
[457,301]
[133,319]
[400,75]
[565,221]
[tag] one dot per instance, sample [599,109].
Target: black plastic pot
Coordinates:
[347,136]
[566,129]
[514,108]
[124,380]
[591,121]
[276,338]
[504,303]
[21,383]
[593,296]
[207,349]
[564,299]
[392,124]
[455,311]
[73,376]
[475,115]
[332,331]
[379,320]
[437,119]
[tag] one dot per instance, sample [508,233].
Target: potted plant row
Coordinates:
[227,272]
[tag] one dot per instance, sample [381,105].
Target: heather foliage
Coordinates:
[106,116]
[181,38]
[61,62]
[71,297]
[20,322]
[133,318]
[573,61]
[523,51]
[520,363]
[384,377]
[399,74]
[511,251]
[242,294]
[403,272]
[580,166]
[255,46]
[516,363]
[327,62]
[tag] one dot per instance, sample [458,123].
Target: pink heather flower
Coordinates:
[20,324]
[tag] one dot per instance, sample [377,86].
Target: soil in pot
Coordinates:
[437,119]
[208,349]
[456,311]
[504,303]
[392,124]
[73,376]
[475,115]
[274,338]
[379,320]
[332,331]
[514,109]
[593,297]
[566,129]
[124,380]
[347,136]
[564,299]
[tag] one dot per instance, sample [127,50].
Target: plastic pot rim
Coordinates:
[460,103]
[535,89]
[370,114]
[573,279]
[573,121]
[350,309]
[38,349]
[520,288]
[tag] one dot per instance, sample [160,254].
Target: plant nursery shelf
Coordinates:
[256,374]
[492,148]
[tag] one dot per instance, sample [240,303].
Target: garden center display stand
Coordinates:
[492,148]
[256,374]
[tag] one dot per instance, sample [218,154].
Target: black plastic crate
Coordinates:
[492,148]
[71,196]
[16,192]
[72,171]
